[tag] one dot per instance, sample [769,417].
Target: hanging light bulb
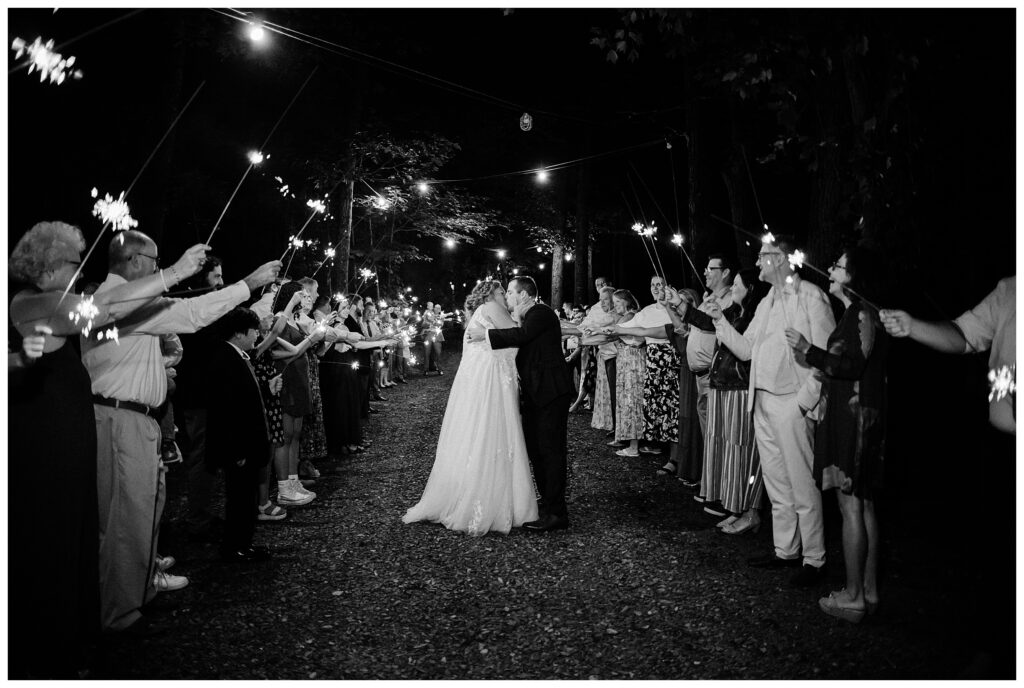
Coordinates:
[423,188]
[449,243]
[542,177]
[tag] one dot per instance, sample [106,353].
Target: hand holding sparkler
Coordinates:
[264,274]
[714,309]
[32,345]
[190,263]
[797,341]
[275,385]
[897,323]
[672,297]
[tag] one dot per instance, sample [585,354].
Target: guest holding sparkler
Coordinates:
[588,355]
[269,378]
[313,445]
[343,395]
[849,444]
[430,331]
[128,384]
[730,446]
[289,354]
[661,379]
[53,566]
[605,354]
[785,395]
[630,368]
[686,460]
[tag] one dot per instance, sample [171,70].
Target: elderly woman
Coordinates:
[606,353]
[849,443]
[53,546]
[661,378]
[631,366]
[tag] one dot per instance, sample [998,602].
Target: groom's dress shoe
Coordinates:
[546,523]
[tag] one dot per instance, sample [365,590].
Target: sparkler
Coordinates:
[318,207]
[256,157]
[109,335]
[42,57]
[85,312]
[1002,382]
[131,186]
[642,231]
[113,212]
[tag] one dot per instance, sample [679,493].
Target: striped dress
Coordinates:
[732,468]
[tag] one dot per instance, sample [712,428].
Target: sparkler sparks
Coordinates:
[109,335]
[113,212]
[1002,381]
[316,205]
[796,259]
[255,157]
[768,237]
[85,312]
[330,252]
[677,239]
[41,57]
[367,273]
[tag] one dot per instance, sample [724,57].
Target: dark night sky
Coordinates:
[96,132]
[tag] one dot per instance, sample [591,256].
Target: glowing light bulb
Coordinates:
[257,34]
[501,254]
[541,266]
[449,243]
[542,177]
[568,257]
[423,188]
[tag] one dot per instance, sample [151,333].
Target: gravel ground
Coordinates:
[641,587]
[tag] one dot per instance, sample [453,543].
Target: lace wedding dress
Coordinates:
[481,479]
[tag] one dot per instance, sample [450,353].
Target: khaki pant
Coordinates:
[130,482]
[785,441]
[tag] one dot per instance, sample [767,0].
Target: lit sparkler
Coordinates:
[255,157]
[316,205]
[796,259]
[85,312]
[768,237]
[41,57]
[677,239]
[330,252]
[109,335]
[1002,381]
[113,211]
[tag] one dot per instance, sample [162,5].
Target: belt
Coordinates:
[129,405]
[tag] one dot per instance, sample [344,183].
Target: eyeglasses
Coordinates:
[714,267]
[155,259]
[762,256]
[837,266]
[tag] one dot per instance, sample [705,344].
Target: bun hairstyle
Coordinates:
[480,294]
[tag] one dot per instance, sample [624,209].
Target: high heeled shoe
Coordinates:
[743,524]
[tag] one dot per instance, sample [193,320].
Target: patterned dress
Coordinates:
[265,370]
[602,418]
[314,441]
[629,390]
[661,394]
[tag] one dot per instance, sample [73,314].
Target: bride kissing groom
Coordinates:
[497,427]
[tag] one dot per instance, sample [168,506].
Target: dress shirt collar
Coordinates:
[241,353]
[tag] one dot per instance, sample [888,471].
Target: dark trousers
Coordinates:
[240,504]
[200,477]
[544,428]
[609,369]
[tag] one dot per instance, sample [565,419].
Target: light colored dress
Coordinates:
[481,479]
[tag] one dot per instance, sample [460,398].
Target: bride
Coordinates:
[481,478]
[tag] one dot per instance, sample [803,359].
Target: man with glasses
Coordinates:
[128,384]
[700,346]
[784,395]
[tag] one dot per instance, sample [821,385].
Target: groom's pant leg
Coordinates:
[531,435]
[551,422]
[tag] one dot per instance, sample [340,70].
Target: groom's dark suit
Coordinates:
[546,393]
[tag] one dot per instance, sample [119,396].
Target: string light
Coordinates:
[423,188]
[568,257]
[540,266]
[542,177]
[449,243]
[501,254]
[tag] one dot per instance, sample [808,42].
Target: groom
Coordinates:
[546,393]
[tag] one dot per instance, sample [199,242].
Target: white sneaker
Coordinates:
[297,485]
[166,582]
[164,563]
[288,496]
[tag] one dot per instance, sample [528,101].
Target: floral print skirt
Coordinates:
[661,394]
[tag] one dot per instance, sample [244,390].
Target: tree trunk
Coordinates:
[557,260]
[590,263]
[339,272]
[582,234]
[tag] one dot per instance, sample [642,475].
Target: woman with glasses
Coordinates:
[53,542]
[849,445]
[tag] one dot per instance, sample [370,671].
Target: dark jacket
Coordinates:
[727,371]
[543,375]
[236,427]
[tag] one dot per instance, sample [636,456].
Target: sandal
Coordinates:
[668,469]
[626,452]
[831,606]
[617,444]
[653,451]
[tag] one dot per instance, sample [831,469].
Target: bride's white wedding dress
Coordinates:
[481,479]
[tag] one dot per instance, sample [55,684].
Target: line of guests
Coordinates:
[89,409]
[755,390]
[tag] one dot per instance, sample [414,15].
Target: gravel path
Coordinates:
[641,587]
